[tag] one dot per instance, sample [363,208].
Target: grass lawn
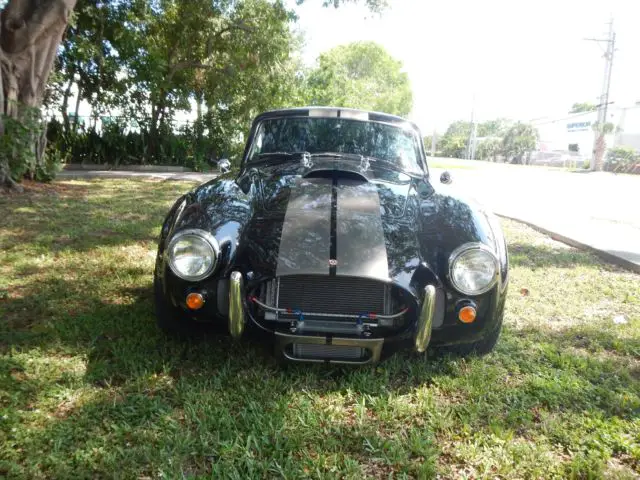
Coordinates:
[90,389]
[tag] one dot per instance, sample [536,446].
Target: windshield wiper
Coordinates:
[273,158]
[364,159]
[335,155]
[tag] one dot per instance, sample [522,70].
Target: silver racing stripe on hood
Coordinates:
[360,240]
[306,230]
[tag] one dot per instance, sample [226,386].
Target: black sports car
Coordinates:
[335,243]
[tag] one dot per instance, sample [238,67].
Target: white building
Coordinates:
[573,136]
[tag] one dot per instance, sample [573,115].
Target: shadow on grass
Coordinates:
[212,406]
[77,217]
[121,343]
[120,338]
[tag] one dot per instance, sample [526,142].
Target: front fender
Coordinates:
[220,208]
[447,221]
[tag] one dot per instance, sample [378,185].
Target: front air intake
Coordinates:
[330,304]
[333,294]
[303,351]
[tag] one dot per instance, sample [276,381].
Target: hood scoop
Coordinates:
[336,168]
[335,173]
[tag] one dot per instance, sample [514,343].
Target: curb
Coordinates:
[609,257]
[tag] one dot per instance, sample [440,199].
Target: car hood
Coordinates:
[312,185]
[333,218]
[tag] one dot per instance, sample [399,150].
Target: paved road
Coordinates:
[597,210]
[190,176]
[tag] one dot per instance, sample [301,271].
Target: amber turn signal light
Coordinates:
[195,301]
[467,314]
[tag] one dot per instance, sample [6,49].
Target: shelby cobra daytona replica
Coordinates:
[335,243]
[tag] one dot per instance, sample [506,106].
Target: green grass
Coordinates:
[90,389]
[450,166]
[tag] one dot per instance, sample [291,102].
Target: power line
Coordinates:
[572,116]
[546,120]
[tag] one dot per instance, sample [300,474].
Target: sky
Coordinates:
[520,60]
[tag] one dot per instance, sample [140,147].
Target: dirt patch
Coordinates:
[65,408]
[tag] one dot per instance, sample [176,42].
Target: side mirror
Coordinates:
[445,177]
[224,165]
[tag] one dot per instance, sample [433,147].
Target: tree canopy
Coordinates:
[583,107]
[495,137]
[489,149]
[455,141]
[521,138]
[360,75]
[373,5]
[141,65]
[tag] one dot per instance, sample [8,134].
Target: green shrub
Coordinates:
[52,163]
[622,159]
[18,145]
[117,145]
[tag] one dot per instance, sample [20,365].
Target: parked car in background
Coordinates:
[335,243]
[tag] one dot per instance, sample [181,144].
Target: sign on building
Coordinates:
[578,126]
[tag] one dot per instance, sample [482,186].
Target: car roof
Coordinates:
[336,112]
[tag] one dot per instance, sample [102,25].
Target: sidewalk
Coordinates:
[615,242]
[597,211]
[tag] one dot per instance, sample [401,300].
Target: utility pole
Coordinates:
[433,143]
[599,144]
[471,150]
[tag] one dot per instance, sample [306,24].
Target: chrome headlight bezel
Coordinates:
[464,249]
[203,235]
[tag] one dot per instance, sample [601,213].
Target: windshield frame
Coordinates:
[400,124]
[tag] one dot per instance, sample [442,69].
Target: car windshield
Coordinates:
[383,142]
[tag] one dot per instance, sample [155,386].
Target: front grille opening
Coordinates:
[304,351]
[328,294]
[332,304]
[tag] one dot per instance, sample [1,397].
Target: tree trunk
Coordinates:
[601,146]
[198,125]
[77,109]
[30,33]
[65,104]
[157,112]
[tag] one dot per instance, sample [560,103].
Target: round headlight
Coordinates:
[193,254]
[473,269]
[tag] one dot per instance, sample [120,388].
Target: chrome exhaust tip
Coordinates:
[236,305]
[425,320]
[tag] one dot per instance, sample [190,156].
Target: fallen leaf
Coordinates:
[524,292]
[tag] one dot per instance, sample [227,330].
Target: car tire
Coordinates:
[480,347]
[171,320]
